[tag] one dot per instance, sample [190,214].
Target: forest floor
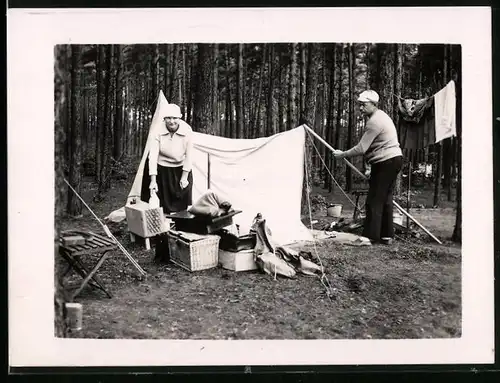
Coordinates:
[411,289]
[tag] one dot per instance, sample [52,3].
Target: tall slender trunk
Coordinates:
[230,131]
[100,126]
[310,113]
[282,105]
[155,88]
[239,93]
[330,124]
[292,89]
[257,126]
[215,86]
[338,124]
[74,204]
[174,80]
[60,324]
[270,130]
[203,114]
[303,81]
[439,145]
[67,110]
[119,128]
[350,128]
[398,88]
[192,84]
[167,70]
[451,141]
[457,232]
[105,181]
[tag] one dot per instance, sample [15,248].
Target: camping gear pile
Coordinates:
[263,175]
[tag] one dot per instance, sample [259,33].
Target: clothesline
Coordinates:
[423,98]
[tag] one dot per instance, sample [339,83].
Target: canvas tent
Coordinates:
[263,175]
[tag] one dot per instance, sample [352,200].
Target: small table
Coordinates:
[95,244]
[186,221]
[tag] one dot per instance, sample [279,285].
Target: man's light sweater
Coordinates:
[380,140]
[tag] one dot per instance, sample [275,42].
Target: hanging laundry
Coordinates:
[417,123]
[445,112]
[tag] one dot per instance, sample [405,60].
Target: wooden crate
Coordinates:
[193,252]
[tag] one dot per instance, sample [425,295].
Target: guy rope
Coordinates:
[109,234]
[323,279]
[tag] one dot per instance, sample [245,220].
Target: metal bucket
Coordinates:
[397,217]
[74,315]
[334,210]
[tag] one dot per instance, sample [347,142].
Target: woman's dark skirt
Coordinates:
[172,197]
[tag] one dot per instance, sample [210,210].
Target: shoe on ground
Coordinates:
[386,240]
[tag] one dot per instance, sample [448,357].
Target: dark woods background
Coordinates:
[106,96]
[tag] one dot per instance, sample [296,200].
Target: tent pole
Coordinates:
[364,177]
[208,170]
[408,197]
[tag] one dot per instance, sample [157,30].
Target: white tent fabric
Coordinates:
[261,175]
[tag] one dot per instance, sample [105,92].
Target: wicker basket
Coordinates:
[145,221]
[193,252]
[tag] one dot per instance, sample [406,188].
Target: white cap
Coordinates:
[172,110]
[368,96]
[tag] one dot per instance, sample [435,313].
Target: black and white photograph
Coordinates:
[237,185]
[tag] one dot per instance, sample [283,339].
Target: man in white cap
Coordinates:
[380,147]
[170,162]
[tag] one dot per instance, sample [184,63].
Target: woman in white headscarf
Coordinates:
[169,166]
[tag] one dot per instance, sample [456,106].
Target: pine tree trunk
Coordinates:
[457,232]
[230,131]
[350,128]
[215,87]
[451,142]
[203,115]
[192,84]
[439,145]
[270,130]
[257,126]
[330,124]
[167,70]
[309,115]
[75,165]
[67,109]
[184,71]
[239,93]
[338,124]
[100,126]
[282,100]
[155,88]
[303,85]
[322,109]
[292,89]
[174,80]
[60,326]
[398,88]
[104,179]
[119,89]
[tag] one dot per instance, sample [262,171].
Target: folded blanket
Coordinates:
[210,204]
